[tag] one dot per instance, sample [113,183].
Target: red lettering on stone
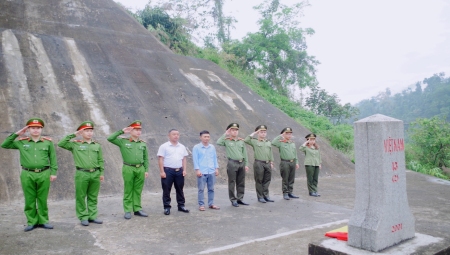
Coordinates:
[394,166]
[393,145]
[396,228]
[395,178]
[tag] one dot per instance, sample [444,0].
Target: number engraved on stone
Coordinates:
[395,178]
[394,166]
[396,228]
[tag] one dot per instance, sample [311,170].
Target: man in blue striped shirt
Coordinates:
[206,168]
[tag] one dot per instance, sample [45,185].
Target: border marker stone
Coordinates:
[381,217]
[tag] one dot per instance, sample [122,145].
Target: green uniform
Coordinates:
[288,155]
[262,168]
[35,156]
[135,158]
[89,166]
[237,161]
[312,162]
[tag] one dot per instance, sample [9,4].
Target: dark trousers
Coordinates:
[287,172]
[175,178]
[312,176]
[263,175]
[236,180]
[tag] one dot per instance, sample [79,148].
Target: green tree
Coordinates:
[431,141]
[277,52]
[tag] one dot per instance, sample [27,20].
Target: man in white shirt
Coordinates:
[172,168]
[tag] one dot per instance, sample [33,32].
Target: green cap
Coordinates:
[136,124]
[86,125]
[311,136]
[35,122]
[233,125]
[261,127]
[286,130]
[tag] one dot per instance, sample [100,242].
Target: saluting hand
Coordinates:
[228,131]
[22,131]
[127,129]
[78,133]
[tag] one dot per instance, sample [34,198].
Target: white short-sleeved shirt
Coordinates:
[173,154]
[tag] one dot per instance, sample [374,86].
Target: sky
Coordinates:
[366,46]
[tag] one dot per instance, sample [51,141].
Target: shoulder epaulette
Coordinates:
[46,138]
[142,141]
[24,138]
[240,139]
[78,141]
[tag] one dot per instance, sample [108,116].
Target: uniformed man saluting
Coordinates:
[135,167]
[89,166]
[237,163]
[37,156]
[289,161]
[263,162]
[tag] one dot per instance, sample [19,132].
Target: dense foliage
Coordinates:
[427,99]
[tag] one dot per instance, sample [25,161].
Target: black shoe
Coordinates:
[47,226]
[85,223]
[141,213]
[268,199]
[183,209]
[261,200]
[235,204]
[242,202]
[96,221]
[29,228]
[166,211]
[127,215]
[292,195]
[286,196]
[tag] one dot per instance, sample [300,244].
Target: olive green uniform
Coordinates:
[288,155]
[89,166]
[135,158]
[237,161]
[262,168]
[35,158]
[312,162]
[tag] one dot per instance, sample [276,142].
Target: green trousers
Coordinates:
[236,180]
[133,183]
[87,186]
[287,172]
[263,175]
[312,177]
[35,188]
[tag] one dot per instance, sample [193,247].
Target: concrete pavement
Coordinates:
[283,227]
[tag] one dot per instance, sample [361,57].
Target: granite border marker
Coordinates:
[381,217]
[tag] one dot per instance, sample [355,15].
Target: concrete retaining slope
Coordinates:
[69,61]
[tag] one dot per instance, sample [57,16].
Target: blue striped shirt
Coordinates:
[205,158]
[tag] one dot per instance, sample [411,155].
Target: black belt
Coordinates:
[236,160]
[36,170]
[138,165]
[288,160]
[263,161]
[174,169]
[88,170]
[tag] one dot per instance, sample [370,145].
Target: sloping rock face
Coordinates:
[67,61]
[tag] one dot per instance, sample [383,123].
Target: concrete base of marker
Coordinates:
[420,244]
